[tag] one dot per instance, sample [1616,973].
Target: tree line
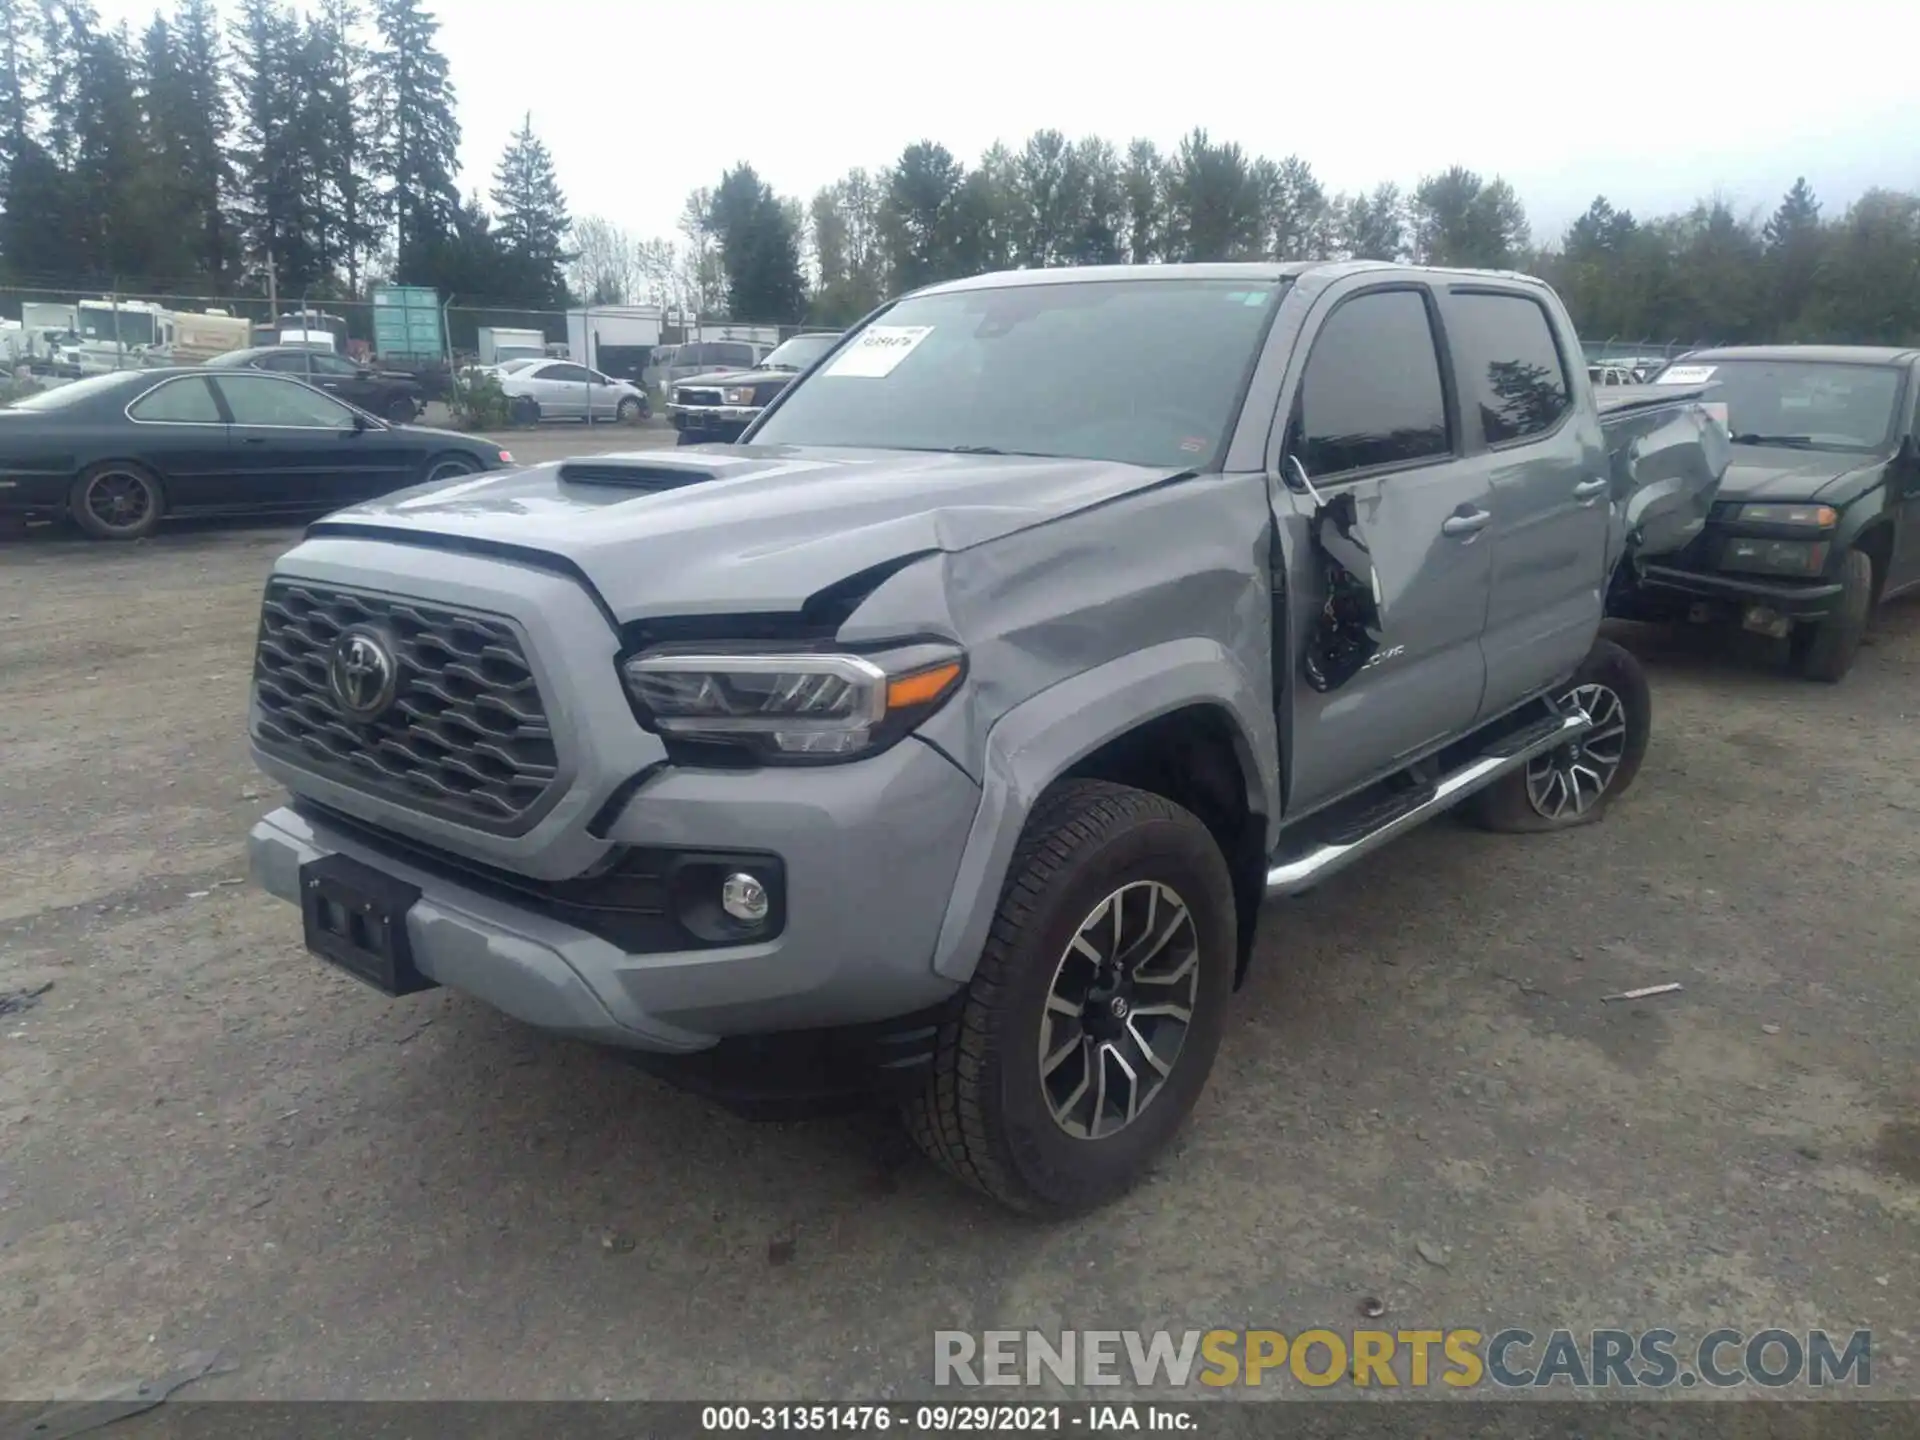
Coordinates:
[193,157]
[323,142]
[1709,273]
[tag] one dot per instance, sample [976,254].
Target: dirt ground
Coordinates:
[209,1142]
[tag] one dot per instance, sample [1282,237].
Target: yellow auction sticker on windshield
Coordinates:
[878,350]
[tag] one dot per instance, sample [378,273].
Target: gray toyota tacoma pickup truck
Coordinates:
[948,733]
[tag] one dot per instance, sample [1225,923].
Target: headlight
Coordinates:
[796,707]
[1774,557]
[1803,517]
[737,395]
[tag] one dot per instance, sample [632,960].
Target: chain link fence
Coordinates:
[54,335]
[1615,350]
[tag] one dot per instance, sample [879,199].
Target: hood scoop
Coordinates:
[648,476]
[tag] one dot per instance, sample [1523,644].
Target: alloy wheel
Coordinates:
[1572,779]
[118,499]
[1118,1010]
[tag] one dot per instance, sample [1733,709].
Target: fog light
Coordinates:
[744,898]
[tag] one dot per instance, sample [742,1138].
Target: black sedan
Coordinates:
[390,394]
[116,453]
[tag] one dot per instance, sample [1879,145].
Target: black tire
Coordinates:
[985,1114]
[1826,651]
[117,500]
[1614,688]
[523,410]
[630,411]
[401,410]
[449,467]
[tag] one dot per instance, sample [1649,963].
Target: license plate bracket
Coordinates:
[355,918]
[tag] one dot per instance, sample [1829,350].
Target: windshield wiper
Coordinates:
[1796,442]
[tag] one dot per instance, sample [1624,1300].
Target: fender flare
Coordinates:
[1046,735]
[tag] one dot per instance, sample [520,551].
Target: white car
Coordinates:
[563,390]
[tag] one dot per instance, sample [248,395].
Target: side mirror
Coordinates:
[359,423]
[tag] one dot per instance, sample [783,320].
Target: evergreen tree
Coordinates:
[1213,209]
[109,181]
[917,215]
[200,131]
[416,140]
[339,69]
[278,184]
[1144,198]
[1794,242]
[531,217]
[759,249]
[1376,226]
[18,35]
[165,102]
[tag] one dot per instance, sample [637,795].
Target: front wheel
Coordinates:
[523,410]
[631,411]
[1826,651]
[400,410]
[449,467]
[1090,1025]
[117,500]
[1573,784]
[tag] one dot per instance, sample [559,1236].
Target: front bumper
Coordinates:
[1795,600]
[870,851]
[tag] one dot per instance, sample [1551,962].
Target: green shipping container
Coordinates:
[406,323]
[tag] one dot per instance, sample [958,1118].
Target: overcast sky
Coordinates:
[1650,104]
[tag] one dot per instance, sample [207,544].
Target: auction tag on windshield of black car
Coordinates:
[1686,375]
[878,350]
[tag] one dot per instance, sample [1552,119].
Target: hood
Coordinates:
[748,529]
[1767,472]
[737,377]
[461,438]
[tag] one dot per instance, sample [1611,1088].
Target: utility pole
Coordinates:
[273,293]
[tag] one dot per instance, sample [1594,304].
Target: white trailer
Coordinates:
[498,343]
[610,337]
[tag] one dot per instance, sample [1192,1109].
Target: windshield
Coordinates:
[1805,404]
[1145,372]
[74,392]
[97,325]
[510,367]
[799,352]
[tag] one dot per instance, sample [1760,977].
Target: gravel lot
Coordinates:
[207,1141]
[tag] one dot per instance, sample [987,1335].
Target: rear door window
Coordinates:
[1510,365]
[1371,396]
[186,401]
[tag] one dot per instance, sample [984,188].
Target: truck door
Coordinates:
[1369,413]
[1903,490]
[1538,444]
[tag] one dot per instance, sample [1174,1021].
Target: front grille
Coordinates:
[466,736]
[699,397]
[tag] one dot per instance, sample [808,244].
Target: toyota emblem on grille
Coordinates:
[362,674]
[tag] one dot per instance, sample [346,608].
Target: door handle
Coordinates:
[1466,523]
[253,439]
[1587,489]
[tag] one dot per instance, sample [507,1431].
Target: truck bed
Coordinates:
[1667,452]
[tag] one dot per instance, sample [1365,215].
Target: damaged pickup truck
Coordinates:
[950,731]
